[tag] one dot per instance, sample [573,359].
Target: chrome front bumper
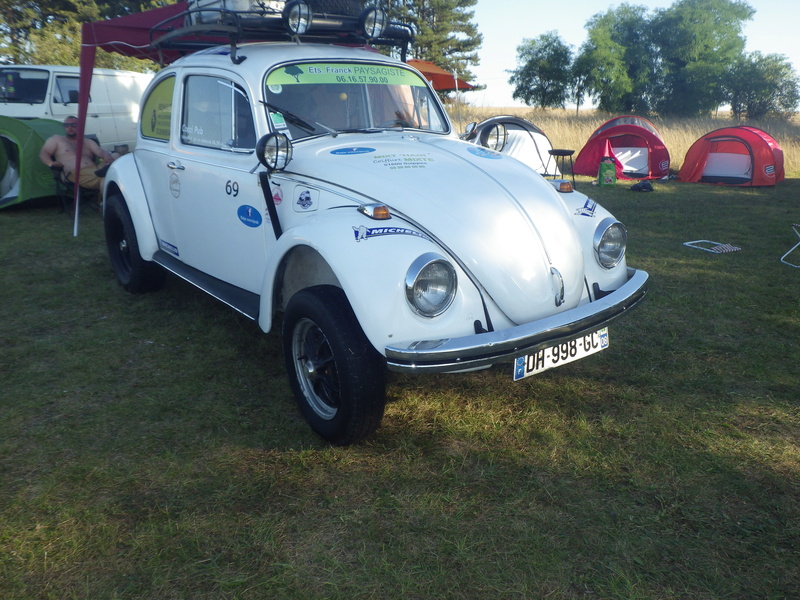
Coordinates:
[484,349]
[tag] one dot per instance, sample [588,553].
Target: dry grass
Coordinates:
[566,129]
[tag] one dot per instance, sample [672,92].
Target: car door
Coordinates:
[219,211]
[156,161]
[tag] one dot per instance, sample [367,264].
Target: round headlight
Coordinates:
[430,285]
[610,241]
[297,17]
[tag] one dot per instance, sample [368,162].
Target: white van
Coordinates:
[51,92]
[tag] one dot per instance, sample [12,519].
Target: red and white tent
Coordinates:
[743,156]
[635,145]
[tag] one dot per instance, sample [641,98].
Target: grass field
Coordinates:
[150,447]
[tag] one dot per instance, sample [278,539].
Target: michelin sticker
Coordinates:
[362,232]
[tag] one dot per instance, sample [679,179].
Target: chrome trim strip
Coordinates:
[484,349]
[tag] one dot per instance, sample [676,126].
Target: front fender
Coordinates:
[123,178]
[369,260]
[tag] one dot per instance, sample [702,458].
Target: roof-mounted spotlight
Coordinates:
[297,17]
[373,21]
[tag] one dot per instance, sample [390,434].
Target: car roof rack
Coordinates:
[201,28]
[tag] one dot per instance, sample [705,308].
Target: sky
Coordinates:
[506,23]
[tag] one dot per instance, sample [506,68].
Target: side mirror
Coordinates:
[495,137]
[274,151]
[469,132]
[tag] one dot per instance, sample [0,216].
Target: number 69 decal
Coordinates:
[232,188]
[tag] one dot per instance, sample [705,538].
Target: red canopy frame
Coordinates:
[130,36]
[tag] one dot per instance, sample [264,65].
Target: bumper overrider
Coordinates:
[484,349]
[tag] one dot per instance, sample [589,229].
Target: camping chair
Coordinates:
[796,229]
[65,189]
[65,193]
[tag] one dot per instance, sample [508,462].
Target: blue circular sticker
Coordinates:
[340,151]
[249,216]
[484,152]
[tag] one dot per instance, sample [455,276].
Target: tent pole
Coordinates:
[458,103]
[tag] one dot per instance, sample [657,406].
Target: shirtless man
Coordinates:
[59,151]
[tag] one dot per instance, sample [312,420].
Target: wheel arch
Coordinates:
[300,265]
[123,179]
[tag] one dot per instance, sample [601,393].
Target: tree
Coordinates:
[759,86]
[20,19]
[445,34]
[543,76]
[49,31]
[617,62]
[697,41]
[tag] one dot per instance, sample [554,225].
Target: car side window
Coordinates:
[26,86]
[157,110]
[216,114]
[66,90]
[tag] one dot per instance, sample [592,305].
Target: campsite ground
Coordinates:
[150,448]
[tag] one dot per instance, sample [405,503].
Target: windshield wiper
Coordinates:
[291,117]
[362,130]
[300,122]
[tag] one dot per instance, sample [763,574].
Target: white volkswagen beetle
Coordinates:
[325,183]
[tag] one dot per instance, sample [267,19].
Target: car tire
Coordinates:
[134,273]
[338,378]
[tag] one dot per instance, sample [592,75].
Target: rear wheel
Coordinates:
[338,378]
[134,273]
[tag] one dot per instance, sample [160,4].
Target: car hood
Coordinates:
[501,220]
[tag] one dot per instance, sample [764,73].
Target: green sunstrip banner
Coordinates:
[343,73]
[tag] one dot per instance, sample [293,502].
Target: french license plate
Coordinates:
[560,354]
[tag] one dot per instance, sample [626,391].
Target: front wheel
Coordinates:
[338,378]
[134,273]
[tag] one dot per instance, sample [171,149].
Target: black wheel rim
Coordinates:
[121,249]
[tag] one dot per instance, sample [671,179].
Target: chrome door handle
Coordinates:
[176,166]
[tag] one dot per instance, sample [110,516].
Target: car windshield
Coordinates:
[28,86]
[309,99]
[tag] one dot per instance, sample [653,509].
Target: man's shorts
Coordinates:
[88,179]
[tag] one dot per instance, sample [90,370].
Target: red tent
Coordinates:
[635,145]
[734,156]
